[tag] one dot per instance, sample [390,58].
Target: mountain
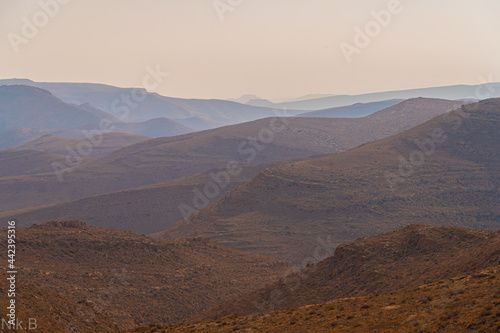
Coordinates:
[156,128]
[159,127]
[25,107]
[399,260]
[137,105]
[288,211]
[129,278]
[162,159]
[244,99]
[461,304]
[20,136]
[356,110]
[108,142]
[457,92]
[27,162]
[261,102]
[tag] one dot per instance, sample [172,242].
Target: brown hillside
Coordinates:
[107,143]
[461,304]
[397,260]
[146,210]
[164,159]
[289,211]
[129,278]
[27,162]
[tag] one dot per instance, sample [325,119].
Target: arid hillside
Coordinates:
[126,279]
[442,172]
[147,209]
[399,260]
[468,303]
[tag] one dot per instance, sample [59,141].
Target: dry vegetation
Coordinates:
[388,262]
[108,278]
[462,304]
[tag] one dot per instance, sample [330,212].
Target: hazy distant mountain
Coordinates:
[122,279]
[462,92]
[261,102]
[159,160]
[114,101]
[27,113]
[20,136]
[25,107]
[373,188]
[308,97]
[356,110]
[244,99]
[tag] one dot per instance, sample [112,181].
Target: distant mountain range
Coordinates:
[457,92]
[119,102]
[27,113]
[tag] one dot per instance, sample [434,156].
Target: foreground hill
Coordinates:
[108,142]
[132,279]
[262,141]
[288,211]
[468,303]
[400,260]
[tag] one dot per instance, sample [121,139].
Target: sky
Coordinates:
[275,49]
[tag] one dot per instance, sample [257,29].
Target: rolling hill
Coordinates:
[462,304]
[63,146]
[289,211]
[121,279]
[399,260]
[162,159]
[147,209]
[27,162]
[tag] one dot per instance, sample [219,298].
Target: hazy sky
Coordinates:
[271,48]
